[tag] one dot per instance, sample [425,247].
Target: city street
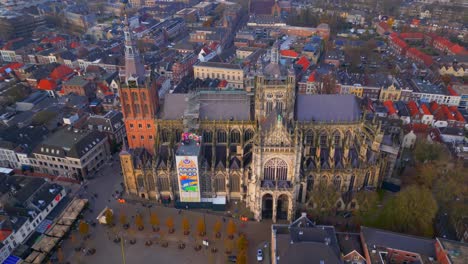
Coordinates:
[105,185]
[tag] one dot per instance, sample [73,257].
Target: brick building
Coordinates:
[138,97]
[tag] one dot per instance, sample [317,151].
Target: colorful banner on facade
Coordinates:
[187,173]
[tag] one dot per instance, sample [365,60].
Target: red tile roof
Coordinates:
[446,113]
[62,72]
[456,114]
[421,55]
[451,91]
[304,62]
[12,66]
[74,45]
[312,77]
[53,40]
[412,35]
[47,85]
[289,53]
[417,128]
[399,42]
[425,110]
[390,108]
[433,106]
[413,108]
[457,49]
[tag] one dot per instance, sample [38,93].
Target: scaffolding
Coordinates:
[192,113]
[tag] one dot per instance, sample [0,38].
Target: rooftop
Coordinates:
[318,108]
[218,65]
[456,251]
[387,239]
[189,146]
[69,142]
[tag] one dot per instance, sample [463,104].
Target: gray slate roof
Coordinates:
[404,242]
[224,106]
[327,108]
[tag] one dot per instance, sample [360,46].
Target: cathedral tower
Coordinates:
[138,97]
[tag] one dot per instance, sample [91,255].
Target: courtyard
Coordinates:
[130,245]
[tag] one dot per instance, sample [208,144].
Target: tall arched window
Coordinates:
[128,109]
[310,183]
[279,106]
[143,96]
[135,96]
[323,139]
[136,108]
[235,136]
[309,138]
[207,136]
[366,180]
[337,183]
[351,183]
[221,136]
[269,107]
[140,181]
[145,109]
[248,135]
[166,135]
[275,169]
[336,138]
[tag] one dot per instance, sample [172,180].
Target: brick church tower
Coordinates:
[138,97]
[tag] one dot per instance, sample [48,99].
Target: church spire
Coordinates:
[134,68]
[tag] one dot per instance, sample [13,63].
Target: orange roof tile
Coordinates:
[451,91]
[413,108]
[61,72]
[289,53]
[425,110]
[312,77]
[47,85]
[304,62]
[390,108]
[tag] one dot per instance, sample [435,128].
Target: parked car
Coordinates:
[259,255]
[232,259]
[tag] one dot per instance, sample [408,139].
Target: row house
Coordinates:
[419,56]
[420,114]
[310,84]
[446,116]
[71,153]
[453,69]
[427,92]
[397,44]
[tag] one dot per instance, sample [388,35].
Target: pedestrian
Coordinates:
[224,220]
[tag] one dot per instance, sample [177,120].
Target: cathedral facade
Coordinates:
[270,149]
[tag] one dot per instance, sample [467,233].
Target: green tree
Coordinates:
[83,228]
[217,227]
[186,225]
[43,117]
[242,243]
[123,218]
[426,151]
[242,257]
[201,229]
[325,197]
[154,220]
[412,210]
[367,201]
[231,229]
[109,217]
[170,224]
[139,222]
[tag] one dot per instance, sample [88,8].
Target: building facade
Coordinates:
[271,150]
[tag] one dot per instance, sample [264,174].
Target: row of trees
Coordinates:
[435,186]
[155,224]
